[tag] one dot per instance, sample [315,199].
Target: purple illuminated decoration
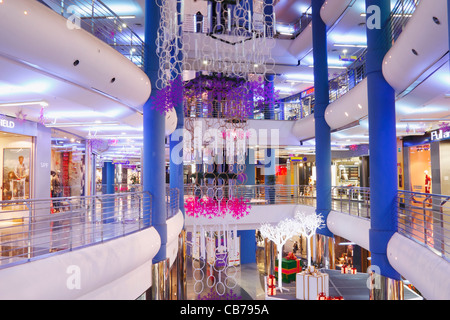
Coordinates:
[213,295]
[21,116]
[445,127]
[41,116]
[216,96]
[166,98]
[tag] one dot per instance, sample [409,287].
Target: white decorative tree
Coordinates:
[280,234]
[308,226]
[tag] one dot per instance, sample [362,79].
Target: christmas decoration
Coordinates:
[279,235]
[308,227]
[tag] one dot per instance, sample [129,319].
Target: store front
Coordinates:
[347,172]
[25,172]
[67,165]
[25,149]
[426,162]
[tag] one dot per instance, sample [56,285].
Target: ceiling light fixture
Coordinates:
[80,124]
[350,45]
[41,103]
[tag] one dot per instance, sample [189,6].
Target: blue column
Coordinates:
[248,246]
[323,132]
[270,163]
[250,167]
[176,140]
[268,12]
[269,110]
[108,177]
[382,143]
[154,136]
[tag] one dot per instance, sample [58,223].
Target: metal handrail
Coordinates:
[98,19]
[35,228]
[423,217]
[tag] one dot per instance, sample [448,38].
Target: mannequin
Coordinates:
[427,182]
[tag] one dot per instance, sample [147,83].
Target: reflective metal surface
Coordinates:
[383,288]
[161,280]
[181,267]
[30,228]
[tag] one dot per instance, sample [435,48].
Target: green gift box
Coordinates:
[289,268]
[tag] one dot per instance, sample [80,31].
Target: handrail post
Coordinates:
[350,196]
[29,230]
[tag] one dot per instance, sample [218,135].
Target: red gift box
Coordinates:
[321,296]
[271,291]
[344,269]
[291,256]
[353,271]
[271,281]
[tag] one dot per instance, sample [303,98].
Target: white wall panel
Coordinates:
[302,45]
[97,266]
[332,10]
[351,107]
[350,227]
[401,67]
[427,271]
[304,129]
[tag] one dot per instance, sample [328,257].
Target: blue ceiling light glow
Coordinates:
[82,114]
[124,8]
[300,77]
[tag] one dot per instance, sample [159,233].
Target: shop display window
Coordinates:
[420,168]
[17,166]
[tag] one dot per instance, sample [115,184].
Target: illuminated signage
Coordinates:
[120,162]
[439,135]
[307,92]
[7,123]
[304,159]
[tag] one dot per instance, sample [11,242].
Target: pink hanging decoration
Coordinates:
[238,207]
[211,208]
[353,147]
[193,207]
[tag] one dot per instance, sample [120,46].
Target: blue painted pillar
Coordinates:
[108,179]
[154,136]
[250,167]
[176,139]
[248,246]
[382,143]
[108,176]
[269,110]
[323,132]
[268,12]
[270,161]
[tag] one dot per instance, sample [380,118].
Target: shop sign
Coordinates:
[439,135]
[121,162]
[304,159]
[308,92]
[7,123]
